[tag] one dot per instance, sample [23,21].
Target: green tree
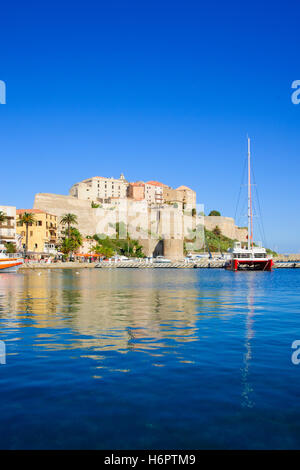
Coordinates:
[216,213]
[102,250]
[66,246]
[76,237]
[3,216]
[122,246]
[217,231]
[68,219]
[27,219]
[10,247]
[94,205]
[71,243]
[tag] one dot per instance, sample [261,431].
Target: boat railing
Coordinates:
[14,255]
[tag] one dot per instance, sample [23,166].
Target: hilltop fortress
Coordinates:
[160,217]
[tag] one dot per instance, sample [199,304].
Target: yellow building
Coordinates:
[42,234]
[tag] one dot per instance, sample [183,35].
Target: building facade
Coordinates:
[154,192]
[42,234]
[188,196]
[136,191]
[8,226]
[99,189]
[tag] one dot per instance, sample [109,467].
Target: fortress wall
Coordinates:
[173,249]
[227,227]
[151,247]
[60,205]
[142,222]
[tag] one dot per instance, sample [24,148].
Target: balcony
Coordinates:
[7,226]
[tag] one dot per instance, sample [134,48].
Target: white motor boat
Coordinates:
[161,259]
[9,262]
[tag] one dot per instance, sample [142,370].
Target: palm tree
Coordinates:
[66,246]
[68,219]
[2,216]
[27,219]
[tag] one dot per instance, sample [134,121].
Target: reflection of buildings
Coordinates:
[106,310]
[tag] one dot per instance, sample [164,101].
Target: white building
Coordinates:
[8,227]
[154,192]
[100,189]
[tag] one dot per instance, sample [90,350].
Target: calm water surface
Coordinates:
[107,359]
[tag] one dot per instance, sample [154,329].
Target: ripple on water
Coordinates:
[149,358]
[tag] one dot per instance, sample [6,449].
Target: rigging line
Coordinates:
[241,220]
[260,211]
[260,228]
[242,215]
[259,221]
[239,195]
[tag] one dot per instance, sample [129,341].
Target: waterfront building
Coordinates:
[42,234]
[8,226]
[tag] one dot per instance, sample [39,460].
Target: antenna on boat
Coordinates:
[250,225]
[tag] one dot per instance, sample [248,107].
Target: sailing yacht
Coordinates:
[251,257]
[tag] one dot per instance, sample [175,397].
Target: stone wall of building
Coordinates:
[59,205]
[173,249]
[141,221]
[227,227]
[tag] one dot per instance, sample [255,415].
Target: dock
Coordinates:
[206,263]
[142,264]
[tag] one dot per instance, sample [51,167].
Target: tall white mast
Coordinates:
[249,196]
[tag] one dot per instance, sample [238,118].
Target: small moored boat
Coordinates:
[161,259]
[9,264]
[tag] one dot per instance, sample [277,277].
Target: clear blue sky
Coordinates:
[163,90]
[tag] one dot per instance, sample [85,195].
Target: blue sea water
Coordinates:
[144,359]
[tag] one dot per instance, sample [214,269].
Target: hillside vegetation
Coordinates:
[217,242]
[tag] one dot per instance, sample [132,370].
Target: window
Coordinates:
[31,233]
